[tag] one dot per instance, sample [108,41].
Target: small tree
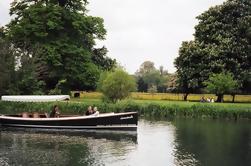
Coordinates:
[221,84]
[116,85]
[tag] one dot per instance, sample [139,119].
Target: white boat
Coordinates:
[107,121]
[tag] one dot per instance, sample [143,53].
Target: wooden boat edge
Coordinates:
[67,118]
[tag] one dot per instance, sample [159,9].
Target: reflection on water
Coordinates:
[177,142]
[211,142]
[57,148]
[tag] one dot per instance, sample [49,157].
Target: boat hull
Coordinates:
[116,121]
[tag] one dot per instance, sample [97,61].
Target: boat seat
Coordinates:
[25,115]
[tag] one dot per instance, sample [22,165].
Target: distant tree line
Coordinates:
[49,47]
[150,79]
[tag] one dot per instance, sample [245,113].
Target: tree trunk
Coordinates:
[233,98]
[219,98]
[185,96]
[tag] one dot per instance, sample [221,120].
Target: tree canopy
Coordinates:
[222,43]
[7,63]
[148,77]
[57,38]
[116,85]
[221,84]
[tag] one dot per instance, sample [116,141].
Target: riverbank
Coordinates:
[162,109]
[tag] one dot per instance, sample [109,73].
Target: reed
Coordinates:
[162,109]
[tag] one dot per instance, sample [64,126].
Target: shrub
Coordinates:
[116,85]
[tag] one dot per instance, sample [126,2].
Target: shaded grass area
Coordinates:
[147,108]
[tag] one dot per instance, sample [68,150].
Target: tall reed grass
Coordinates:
[162,109]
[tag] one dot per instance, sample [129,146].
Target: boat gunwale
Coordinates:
[67,118]
[128,126]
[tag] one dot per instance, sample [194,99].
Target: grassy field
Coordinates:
[169,96]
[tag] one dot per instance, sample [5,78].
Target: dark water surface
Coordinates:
[157,143]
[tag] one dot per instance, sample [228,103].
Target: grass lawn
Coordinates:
[168,96]
[162,102]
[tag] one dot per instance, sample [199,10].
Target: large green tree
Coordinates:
[222,43]
[61,37]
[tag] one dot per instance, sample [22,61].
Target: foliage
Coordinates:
[151,78]
[60,88]
[16,78]
[152,89]
[141,85]
[191,67]
[148,76]
[221,84]
[147,108]
[116,85]
[146,67]
[100,59]
[58,37]
[7,63]
[222,43]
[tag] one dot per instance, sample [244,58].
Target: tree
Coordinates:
[145,67]
[7,63]
[221,84]
[141,85]
[172,82]
[116,85]
[144,80]
[148,76]
[152,78]
[100,59]
[152,89]
[191,67]
[62,36]
[222,43]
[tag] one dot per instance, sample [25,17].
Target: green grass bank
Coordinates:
[158,109]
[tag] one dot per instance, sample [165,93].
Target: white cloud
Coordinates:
[139,30]
[4,11]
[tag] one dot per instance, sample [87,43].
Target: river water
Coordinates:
[156,143]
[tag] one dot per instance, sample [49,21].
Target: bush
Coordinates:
[116,85]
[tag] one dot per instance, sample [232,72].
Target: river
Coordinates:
[182,142]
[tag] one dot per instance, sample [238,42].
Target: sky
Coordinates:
[142,30]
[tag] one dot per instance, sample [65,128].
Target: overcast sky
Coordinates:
[140,30]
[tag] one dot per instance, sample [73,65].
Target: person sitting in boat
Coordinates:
[55,112]
[95,111]
[89,111]
[203,99]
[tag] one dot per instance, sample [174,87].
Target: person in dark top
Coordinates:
[55,112]
[89,111]
[203,100]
